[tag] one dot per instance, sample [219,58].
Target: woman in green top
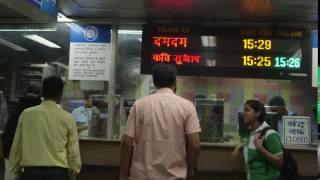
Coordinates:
[263,161]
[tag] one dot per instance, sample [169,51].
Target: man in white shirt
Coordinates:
[84,116]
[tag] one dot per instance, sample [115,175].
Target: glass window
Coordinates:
[31,52]
[218,101]
[130,84]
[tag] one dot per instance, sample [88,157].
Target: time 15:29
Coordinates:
[259,44]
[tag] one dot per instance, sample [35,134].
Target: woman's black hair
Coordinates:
[257,106]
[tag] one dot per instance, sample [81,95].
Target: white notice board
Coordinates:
[297,130]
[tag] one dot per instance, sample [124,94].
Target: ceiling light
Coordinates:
[63,18]
[129,32]
[204,41]
[209,41]
[12,45]
[29,30]
[41,40]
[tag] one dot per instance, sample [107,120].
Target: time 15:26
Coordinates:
[266,61]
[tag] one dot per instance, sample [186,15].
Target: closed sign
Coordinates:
[297,130]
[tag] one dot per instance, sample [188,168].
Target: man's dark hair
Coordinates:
[52,87]
[257,106]
[277,101]
[164,75]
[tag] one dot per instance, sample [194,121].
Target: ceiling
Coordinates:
[36,53]
[198,10]
[6,12]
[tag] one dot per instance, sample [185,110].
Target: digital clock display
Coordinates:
[265,45]
[275,53]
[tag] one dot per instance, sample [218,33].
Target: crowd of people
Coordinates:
[160,142]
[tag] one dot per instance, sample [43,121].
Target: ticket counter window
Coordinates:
[31,52]
[218,101]
[30,61]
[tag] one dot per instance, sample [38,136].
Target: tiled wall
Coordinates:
[298,95]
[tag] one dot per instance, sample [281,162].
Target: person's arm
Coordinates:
[73,152]
[125,156]
[237,153]
[192,129]
[126,147]
[193,152]
[274,153]
[16,151]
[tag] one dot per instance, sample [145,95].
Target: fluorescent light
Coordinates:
[212,41]
[129,32]
[204,41]
[209,41]
[12,45]
[60,65]
[63,18]
[41,40]
[29,30]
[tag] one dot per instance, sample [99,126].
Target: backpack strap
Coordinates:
[263,133]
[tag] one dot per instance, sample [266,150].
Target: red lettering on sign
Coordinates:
[171,41]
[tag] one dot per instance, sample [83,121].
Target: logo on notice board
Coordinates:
[91,33]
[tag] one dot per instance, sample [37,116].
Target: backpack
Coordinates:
[289,170]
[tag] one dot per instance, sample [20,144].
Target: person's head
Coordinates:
[278,105]
[88,100]
[28,100]
[254,111]
[34,88]
[52,88]
[164,75]
[277,101]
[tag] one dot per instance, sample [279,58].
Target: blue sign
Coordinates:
[315,39]
[90,33]
[48,6]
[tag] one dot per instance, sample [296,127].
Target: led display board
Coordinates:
[271,53]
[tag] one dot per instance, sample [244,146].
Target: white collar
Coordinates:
[261,127]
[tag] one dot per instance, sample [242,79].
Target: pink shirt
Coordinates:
[159,124]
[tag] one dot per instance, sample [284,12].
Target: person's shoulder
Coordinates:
[77,109]
[32,109]
[272,133]
[183,100]
[65,114]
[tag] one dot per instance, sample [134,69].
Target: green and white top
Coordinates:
[256,164]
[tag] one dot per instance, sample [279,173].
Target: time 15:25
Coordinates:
[260,61]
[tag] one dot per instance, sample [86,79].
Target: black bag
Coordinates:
[289,170]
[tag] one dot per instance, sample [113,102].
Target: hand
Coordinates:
[258,141]
[72,175]
[190,174]
[236,154]
[82,128]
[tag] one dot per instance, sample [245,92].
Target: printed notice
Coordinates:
[89,57]
[296,130]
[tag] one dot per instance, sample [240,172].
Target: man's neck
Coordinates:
[52,99]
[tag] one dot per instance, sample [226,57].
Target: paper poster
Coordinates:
[90,52]
[297,130]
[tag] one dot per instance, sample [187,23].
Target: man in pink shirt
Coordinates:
[161,139]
